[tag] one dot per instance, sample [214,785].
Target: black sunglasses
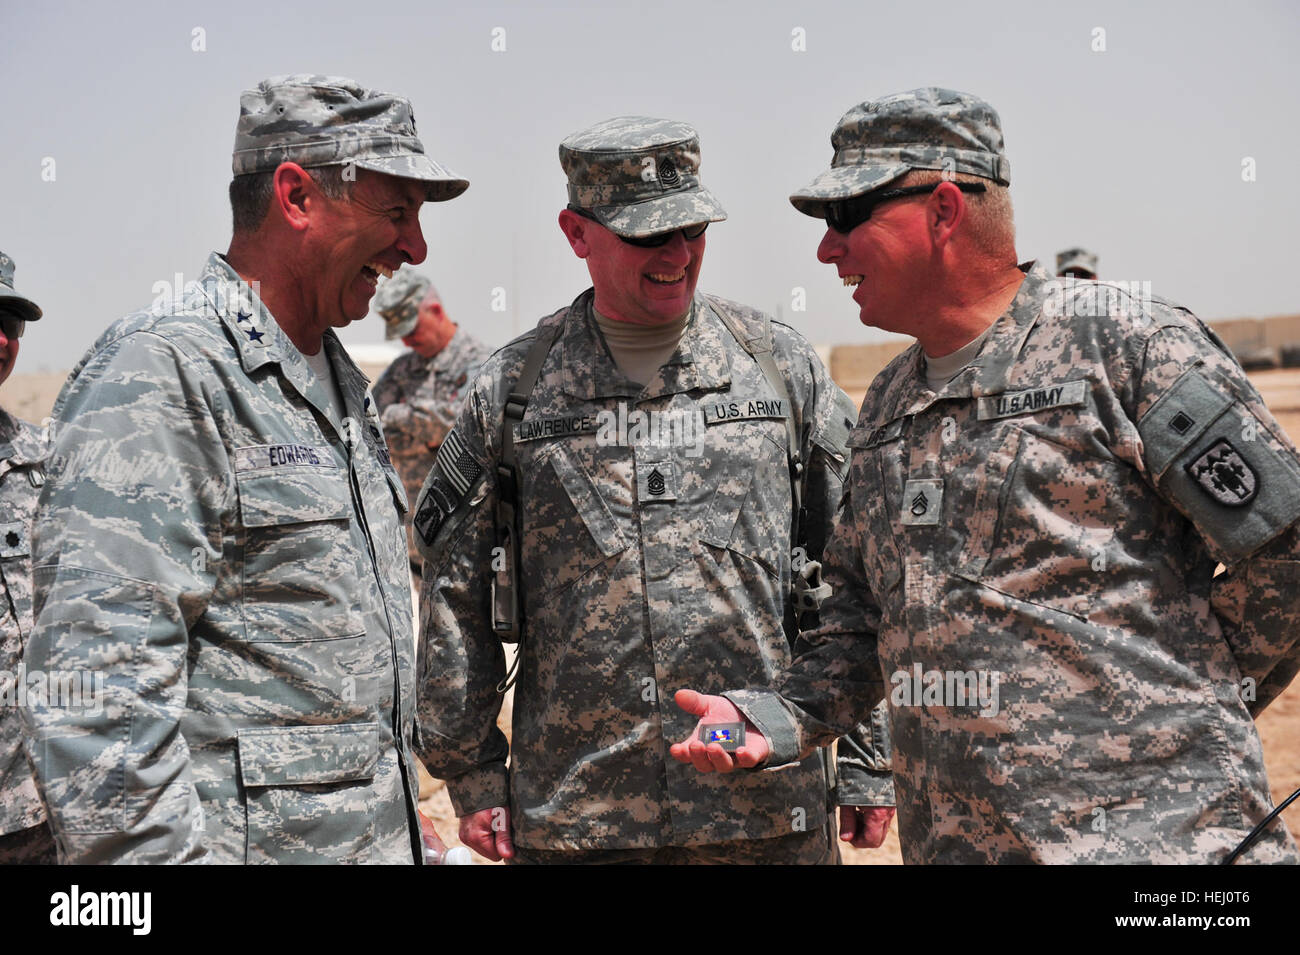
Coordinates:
[847,214]
[650,241]
[13,326]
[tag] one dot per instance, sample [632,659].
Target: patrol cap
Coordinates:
[11,301]
[638,176]
[398,302]
[330,120]
[878,141]
[1081,260]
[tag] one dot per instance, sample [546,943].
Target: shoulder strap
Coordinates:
[759,348]
[807,588]
[507,609]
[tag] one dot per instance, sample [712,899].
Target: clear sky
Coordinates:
[1135,151]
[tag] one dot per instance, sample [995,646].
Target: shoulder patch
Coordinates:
[454,473]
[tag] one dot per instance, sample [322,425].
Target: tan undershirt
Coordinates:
[640,350]
[940,371]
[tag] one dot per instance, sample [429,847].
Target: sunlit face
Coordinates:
[355,240]
[639,285]
[882,260]
[8,355]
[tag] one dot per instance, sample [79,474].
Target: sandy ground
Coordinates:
[32,396]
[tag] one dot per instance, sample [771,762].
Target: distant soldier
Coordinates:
[1039,494]
[1076,263]
[24,834]
[419,394]
[221,533]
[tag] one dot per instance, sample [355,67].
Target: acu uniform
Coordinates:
[645,568]
[655,532]
[25,836]
[1052,517]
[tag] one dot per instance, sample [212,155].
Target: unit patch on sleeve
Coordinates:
[454,473]
[1221,472]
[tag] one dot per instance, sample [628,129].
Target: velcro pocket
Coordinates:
[270,498]
[301,566]
[589,505]
[304,755]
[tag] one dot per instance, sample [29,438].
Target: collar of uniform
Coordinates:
[1002,348]
[988,372]
[256,333]
[587,370]
[352,381]
[590,371]
[21,444]
[702,359]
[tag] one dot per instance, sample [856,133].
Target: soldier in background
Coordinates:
[419,394]
[639,445]
[1039,494]
[221,534]
[25,836]
[1076,263]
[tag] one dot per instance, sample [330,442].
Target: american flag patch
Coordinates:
[457,464]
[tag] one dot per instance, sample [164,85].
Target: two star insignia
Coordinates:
[251,331]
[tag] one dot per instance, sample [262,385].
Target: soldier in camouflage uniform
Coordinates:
[221,532]
[1040,491]
[655,520]
[418,395]
[1076,263]
[24,834]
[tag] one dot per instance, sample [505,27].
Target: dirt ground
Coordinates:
[32,396]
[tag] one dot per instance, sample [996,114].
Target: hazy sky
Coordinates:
[1136,151]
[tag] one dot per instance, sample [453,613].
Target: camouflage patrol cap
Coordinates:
[328,121]
[878,141]
[398,302]
[1080,260]
[638,176]
[11,301]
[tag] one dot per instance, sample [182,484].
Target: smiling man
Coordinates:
[621,496]
[1040,491]
[221,535]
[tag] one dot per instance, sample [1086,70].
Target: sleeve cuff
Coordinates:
[485,787]
[765,710]
[864,787]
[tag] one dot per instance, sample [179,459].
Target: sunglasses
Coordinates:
[847,214]
[12,326]
[650,241]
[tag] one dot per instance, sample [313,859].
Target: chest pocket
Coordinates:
[569,529]
[750,512]
[1043,522]
[300,564]
[16,567]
